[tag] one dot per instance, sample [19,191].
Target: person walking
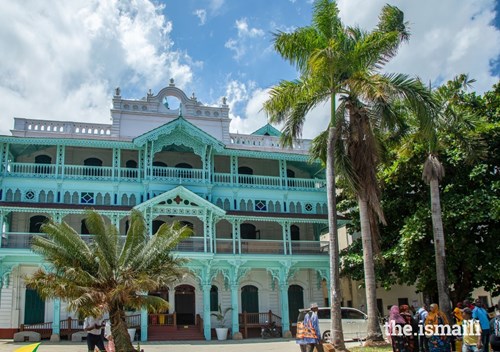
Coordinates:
[480,314]
[312,335]
[435,319]
[93,326]
[396,323]
[471,338]
[412,338]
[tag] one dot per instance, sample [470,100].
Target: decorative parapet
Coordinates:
[248,141]
[49,128]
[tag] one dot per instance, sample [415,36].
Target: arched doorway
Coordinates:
[245,170]
[42,159]
[36,223]
[295,301]
[248,231]
[185,306]
[295,233]
[250,299]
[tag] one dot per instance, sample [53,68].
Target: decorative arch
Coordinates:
[294,233]
[250,299]
[295,301]
[36,223]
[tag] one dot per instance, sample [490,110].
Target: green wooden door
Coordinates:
[34,308]
[295,301]
[250,299]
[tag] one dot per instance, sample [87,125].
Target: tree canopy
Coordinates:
[470,205]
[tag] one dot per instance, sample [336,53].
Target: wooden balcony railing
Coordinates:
[256,320]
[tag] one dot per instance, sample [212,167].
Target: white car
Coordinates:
[354,322]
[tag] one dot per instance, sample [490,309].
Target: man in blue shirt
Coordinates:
[480,314]
[312,334]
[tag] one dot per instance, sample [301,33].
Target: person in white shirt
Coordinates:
[93,326]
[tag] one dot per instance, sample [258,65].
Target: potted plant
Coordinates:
[220,316]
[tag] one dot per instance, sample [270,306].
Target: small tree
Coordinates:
[221,316]
[108,272]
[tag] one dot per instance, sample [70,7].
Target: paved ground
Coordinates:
[249,345]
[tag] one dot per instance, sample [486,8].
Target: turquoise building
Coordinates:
[257,211]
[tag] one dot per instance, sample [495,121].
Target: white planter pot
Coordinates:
[221,333]
[131,332]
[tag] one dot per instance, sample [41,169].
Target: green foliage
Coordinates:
[470,199]
[221,315]
[108,273]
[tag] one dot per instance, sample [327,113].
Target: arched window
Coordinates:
[95,162]
[83,228]
[187,223]
[295,301]
[250,299]
[131,164]
[36,222]
[156,226]
[214,298]
[42,159]
[244,170]
[294,233]
[92,162]
[159,163]
[248,232]
[184,173]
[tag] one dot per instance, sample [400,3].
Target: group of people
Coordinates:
[97,329]
[429,329]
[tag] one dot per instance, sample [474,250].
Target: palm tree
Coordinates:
[448,116]
[107,272]
[337,61]
[289,103]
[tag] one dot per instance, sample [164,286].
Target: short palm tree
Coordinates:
[107,272]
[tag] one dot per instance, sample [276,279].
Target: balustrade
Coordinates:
[309,247]
[171,174]
[195,244]
[261,247]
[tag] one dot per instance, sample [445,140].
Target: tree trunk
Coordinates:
[335,291]
[119,331]
[439,248]
[374,332]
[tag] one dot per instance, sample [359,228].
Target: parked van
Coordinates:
[354,322]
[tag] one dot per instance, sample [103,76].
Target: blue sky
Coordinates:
[63,61]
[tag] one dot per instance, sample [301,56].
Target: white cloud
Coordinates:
[448,37]
[63,64]
[246,39]
[215,5]
[202,15]
[254,117]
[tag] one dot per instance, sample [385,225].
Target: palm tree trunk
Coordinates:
[335,291]
[439,248]
[119,330]
[374,332]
